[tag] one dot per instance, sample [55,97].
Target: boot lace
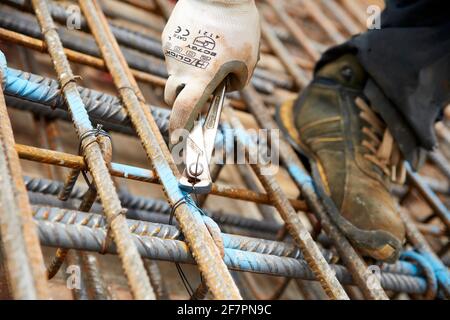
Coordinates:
[382,150]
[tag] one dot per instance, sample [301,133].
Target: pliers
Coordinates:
[196,176]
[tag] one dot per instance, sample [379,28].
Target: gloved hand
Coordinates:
[205,41]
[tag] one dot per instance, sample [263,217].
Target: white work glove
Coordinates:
[204,41]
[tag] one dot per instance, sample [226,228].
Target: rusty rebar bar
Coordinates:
[421,244]
[156,278]
[99,105]
[131,261]
[132,39]
[24,261]
[139,174]
[90,239]
[313,9]
[343,17]
[84,44]
[298,231]
[74,56]
[432,199]
[301,79]
[91,281]
[133,203]
[295,29]
[165,231]
[299,175]
[411,284]
[200,241]
[96,287]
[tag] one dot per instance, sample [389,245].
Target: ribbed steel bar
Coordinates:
[99,105]
[344,18]
[80,293]
[18,266]
[301,79]
[29,86]
[441,162]
[5,287]
[132,202]
[149,205]
[90,239]
[233,225]
[119,10]
[49,136]
[299,175]
[294,29]
[433,200]
[268,213]
[23,256]
[77,162]
[157,280]
[165,231]
[92,279]
[129,38]
[75,40]
[421,244]
[131,261]
[40,110]
[85,205]
[33,90]
[143,4]
[313,8]
[203,247]
[83,43]
[96,287]
[139,174]
[298,231]
[75,56]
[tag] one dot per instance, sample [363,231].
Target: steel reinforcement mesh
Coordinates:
[73,198]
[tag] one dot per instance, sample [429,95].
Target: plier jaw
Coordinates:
[195,186]
[196,176]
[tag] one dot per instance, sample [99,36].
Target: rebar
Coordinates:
[83,43]
[295,226]
[24,261]
[90,239]
[132,262]
[75,56]
[343,17]
[202,245]
[30,87]
[126,37]
[164,231]
[420,243]
[132,202]
[299,175]
[299,76]
[75,40]
[312,8]
[139,174]
[433,200]
[131,38]
[295,29]
[91,279]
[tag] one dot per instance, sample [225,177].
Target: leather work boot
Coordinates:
[354,156]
